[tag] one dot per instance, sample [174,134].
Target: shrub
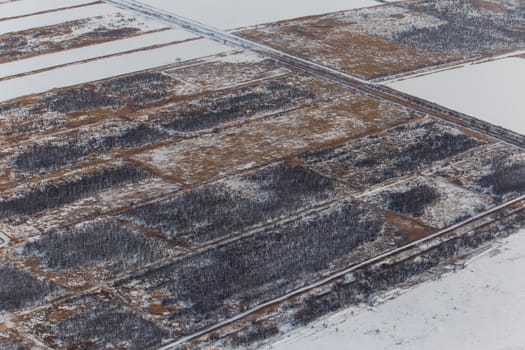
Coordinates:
[55,156]
[119,247]
[504,178]
[413,201]
[105,327]
[19,289]
[266,264]
[58,194]
[217,210]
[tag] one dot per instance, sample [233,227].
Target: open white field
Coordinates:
[91,52]
[47,19]
[108,67]
[480,307]
[230,14]
[27,7]
[492,91]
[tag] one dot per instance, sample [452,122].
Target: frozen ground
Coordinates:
[108,67]
[90,52]
[47,19]
[229,14]
[4,240]
[27,7]
[480,307]
[491,91]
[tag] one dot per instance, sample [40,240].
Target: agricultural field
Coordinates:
[72,34]
[162,187]
[401,37]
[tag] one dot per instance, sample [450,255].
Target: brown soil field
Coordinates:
[333,43]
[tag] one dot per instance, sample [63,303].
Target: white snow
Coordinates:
[491,91]
[47,19]
[90,52]
[4,240]
[481,307]
[229,14]
[28,7]
[108,67]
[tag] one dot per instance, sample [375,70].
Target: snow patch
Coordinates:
[27,7]
[229,14]
[491,91]
[107,67]
[47,19]
[90,52]
[480,307]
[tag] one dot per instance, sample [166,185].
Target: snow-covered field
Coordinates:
[27,7]
[90,52]
[230,14]
[481,307]
[47,19]
[108,67]
[492,91]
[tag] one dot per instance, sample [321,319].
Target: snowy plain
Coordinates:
[481,307]
[27,7]
[90,52]
[230,14]
[108,67]
[51,18]
[492,91]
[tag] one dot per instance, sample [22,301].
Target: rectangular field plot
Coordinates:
[93,251]
[77,106]
[229,70]
[89,206]
[201,289]
[68,149]
[27,7]
[490,91]
[108,67]
[53,18]
[401,37]
[272,96]
[430,201]
[497,171]
[25,202]
[94,321]
[72,34]
[128,96]
[118,46]
[167,119]
[269,140]
[212,212]
[394,153]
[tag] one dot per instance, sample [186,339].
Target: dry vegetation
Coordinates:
[70,35]
[402,37]
[144,207]
[333,43]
